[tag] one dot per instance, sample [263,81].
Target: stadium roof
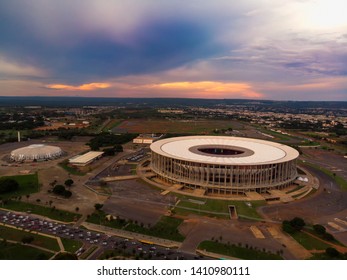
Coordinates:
[251,151]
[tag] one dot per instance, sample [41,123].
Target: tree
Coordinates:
[69,182]
[59,189]
[297,223]
[67,194]
[329,237]
[8,185]
[332,252]
[319,229]
[287,227]
[27,239]
[98,206]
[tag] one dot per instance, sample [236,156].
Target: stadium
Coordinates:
[221,165]
[36,152]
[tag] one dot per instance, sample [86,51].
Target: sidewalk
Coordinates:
[132,235]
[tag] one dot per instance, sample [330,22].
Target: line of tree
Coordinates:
[108,139]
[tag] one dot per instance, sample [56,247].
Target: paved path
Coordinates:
[294,247]
[132,235]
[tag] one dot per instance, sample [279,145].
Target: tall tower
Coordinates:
[18,136]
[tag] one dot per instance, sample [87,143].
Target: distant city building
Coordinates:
[223,165]
[36,152]
[85,159]
[146,138]
[170,111]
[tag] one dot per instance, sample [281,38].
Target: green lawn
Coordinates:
[88,252]
[49,212]
[218,208]
[69,169]
[99,218]
[237,251]
[277,135]
[111,124]
[177,126]
[11,251]
[71,245]
[309,242]
[166,228]
[39,240]
[27,184]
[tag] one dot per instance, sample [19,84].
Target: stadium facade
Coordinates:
[36,152]
[224,165]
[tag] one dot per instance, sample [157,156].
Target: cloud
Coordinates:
[90,86]
[216,48]
[209,89]
[11,69]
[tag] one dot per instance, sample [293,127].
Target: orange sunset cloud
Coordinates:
[90,86]
[210,88]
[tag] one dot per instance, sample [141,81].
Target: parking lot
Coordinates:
[91,238]
[134,200]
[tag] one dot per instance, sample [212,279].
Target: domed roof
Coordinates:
[36,152]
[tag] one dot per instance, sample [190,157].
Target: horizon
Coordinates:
[251,50]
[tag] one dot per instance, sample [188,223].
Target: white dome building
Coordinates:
[36,152]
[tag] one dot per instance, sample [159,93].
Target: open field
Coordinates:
[218,208]
[10,251]
[309,242]
[177,126]
[165,228]
[27,184]
[237,251]
[111,124]
[71,245]
[39,240]
[65,165]
[48,212]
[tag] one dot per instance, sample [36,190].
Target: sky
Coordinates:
[251,49]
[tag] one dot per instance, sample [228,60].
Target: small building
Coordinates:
[146,138]
[85,159]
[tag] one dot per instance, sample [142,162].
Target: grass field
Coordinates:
[218,208]
[27,184]
[88,252]
[177,126]
[166,228]
[277,135]
[70,169]
[9,251]
[39,240]
[111,124]
[237,251]
[51,213]
[71,245]
[309,242]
